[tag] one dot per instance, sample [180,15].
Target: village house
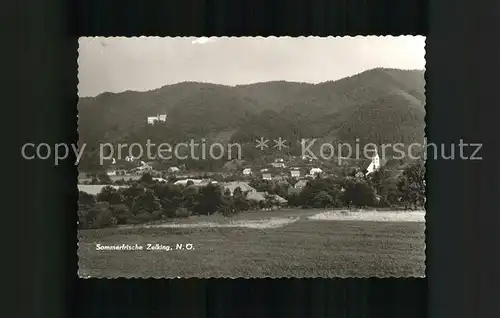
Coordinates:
[279,178]
[231,186]
[315,171]
[295,173]
[183,182]
[160,180]
[278,163]
[247,171]
[261,196]
[203,183]
[359,174]
[145,168]
[173,170]
[301,184]
[307,158]
[293,190]
[130,158]
[252,194]
[266,176]
[116,172]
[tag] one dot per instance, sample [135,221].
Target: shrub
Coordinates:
[120,182]
[131,193]
[158,214]
[133,220]
[209,199]
[168,211]
[104,178]
[253,204]
[110,195]
[241,204]
[146,178]
[86,199]
[182,213]
[147,202]
[122,213]
[82,217]
[359,193]
[87,216]
[104,219]
[322,200]
[411,185]
[228,211]
[144,217]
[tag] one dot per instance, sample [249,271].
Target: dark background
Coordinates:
[38,89]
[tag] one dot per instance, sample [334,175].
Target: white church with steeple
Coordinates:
[375,164]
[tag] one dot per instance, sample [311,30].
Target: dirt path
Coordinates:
[373,216]
[253,224]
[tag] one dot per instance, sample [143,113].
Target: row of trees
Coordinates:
[148,200]
[383,188]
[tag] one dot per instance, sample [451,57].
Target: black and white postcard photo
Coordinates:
[244,157]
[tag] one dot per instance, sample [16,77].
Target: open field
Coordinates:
[131,177]
[376,216]
[94,189]
[243,246]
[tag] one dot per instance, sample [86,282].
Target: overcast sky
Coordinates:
[119,64]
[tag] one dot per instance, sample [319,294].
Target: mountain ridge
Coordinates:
[250,84]
[382,103]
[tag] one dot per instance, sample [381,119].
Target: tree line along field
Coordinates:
[304,248]
[148,200]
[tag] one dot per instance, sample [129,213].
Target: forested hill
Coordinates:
[379,105]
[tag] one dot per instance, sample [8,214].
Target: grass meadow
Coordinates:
[239,247]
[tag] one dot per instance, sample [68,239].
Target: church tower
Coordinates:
[375,164]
